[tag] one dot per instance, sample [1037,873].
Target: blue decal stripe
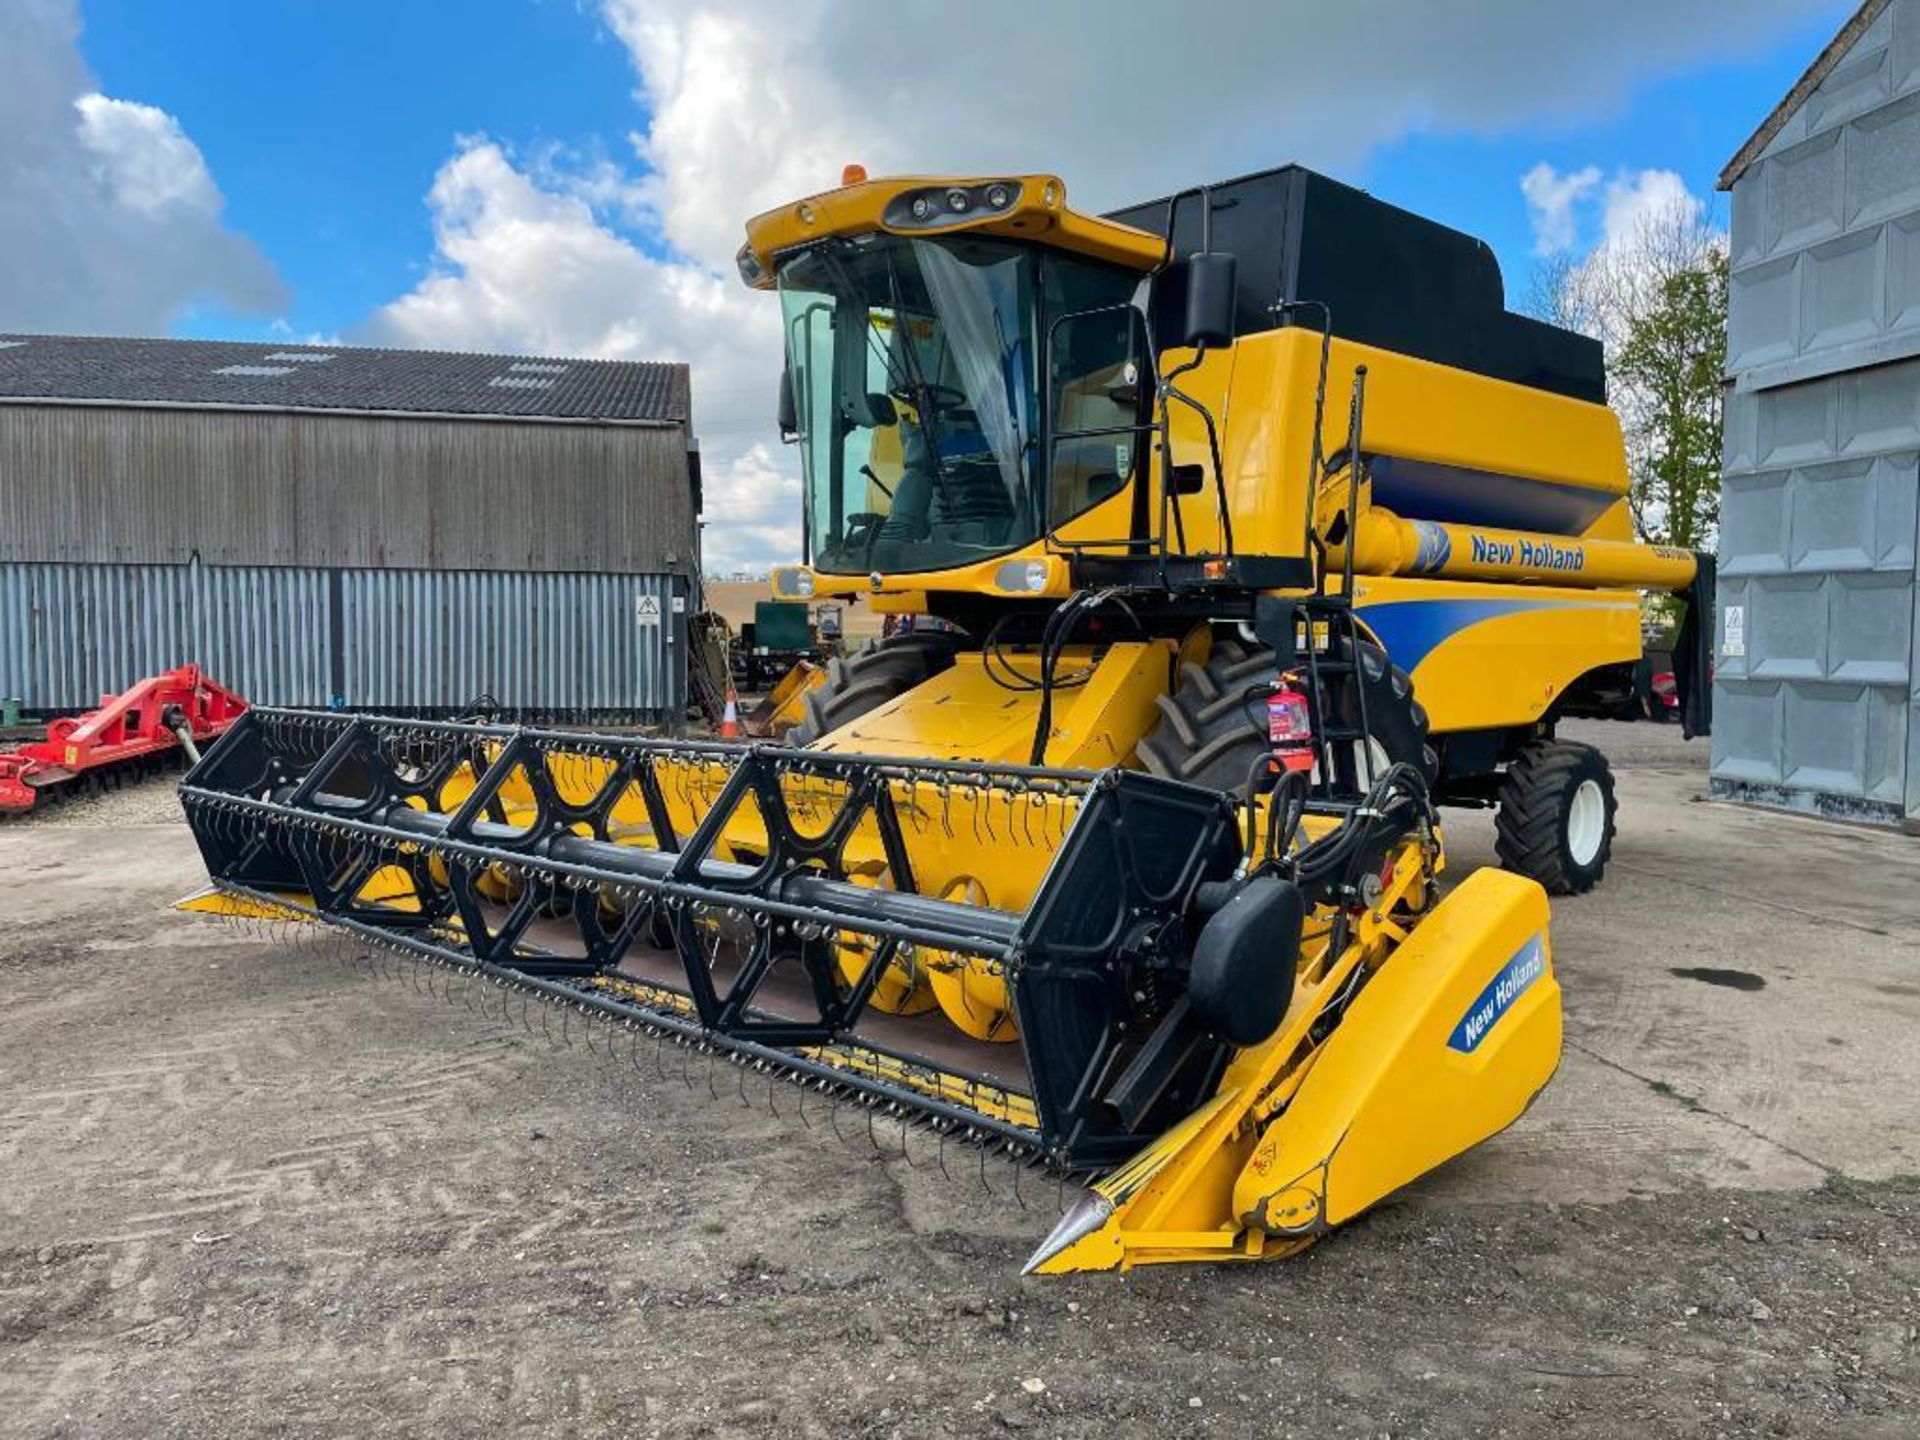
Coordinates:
[1411,630]
[1424,490]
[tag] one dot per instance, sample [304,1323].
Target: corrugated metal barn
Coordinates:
[1817,699]
[375,529]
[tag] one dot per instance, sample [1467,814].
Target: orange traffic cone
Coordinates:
[730,717]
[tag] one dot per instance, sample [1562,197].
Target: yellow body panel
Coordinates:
[1261,391]
[1485,655]
[966,714]
[1447,1045]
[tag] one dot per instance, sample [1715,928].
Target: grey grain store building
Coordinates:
[1817,705]
[376,529]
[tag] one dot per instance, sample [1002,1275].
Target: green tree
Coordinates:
[1670,361]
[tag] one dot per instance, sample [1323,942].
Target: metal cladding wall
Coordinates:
[1817,699]
[607,647]
[530,641]
[96,484]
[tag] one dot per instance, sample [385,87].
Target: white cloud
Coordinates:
[537,266]
[753,103]
[1551,197]
[112,221]
[757,101]
[1638,199]
[1607,248]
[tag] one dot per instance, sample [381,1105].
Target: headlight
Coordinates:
[951,205]
[1031,576]
[794,580]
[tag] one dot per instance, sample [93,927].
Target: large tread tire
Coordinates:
[859,683]
[1533,830]
[1213,726]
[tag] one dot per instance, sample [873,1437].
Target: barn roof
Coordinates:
[222,374]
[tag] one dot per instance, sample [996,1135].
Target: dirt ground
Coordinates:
[256,1189]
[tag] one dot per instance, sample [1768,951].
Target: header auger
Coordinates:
[1128,864]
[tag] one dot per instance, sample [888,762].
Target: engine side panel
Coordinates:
[1492,656]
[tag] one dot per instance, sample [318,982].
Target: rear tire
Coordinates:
[859,683]
[1214,725]
[1555,823]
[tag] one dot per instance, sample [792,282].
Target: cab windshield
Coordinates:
[917,377]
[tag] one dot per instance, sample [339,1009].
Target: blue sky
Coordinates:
[571,176]
[315,119]
[324,139]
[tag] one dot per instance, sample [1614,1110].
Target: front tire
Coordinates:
[1556,818]
[1213,727]
[859,683]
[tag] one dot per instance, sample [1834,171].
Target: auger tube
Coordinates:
[1388,545]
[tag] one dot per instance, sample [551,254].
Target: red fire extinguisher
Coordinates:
[1289,726]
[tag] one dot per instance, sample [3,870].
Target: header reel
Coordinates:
[718,889]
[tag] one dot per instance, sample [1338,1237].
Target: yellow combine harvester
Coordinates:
[1131,867]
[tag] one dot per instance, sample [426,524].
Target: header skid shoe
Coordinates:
[714,891]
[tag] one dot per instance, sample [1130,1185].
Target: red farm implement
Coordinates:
[131,735]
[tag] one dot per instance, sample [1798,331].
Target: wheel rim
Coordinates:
[1586,823]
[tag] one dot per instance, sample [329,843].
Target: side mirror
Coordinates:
[787,417]
[1210,298]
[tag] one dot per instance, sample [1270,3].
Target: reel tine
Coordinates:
[983,1172]
[905,1153]
[1019,1199]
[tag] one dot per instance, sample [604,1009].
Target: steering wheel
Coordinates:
[930,396]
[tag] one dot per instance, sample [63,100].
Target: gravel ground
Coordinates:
[250,1188]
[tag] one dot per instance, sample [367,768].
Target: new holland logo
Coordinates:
[1516,977]
[1434,549]
[1541,554]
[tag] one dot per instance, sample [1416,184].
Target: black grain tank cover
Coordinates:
[1393,279]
